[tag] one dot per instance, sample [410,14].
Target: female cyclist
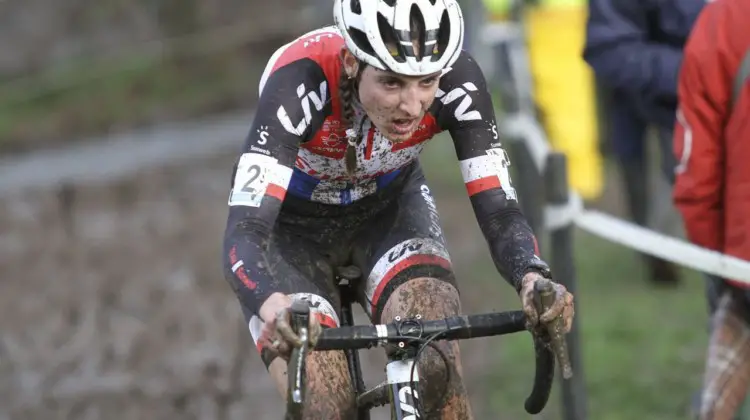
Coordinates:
[329,176]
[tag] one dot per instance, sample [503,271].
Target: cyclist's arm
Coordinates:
[262,174]
[466,110]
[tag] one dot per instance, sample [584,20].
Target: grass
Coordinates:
[642,346]
[88,98]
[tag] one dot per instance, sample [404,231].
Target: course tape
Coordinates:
[524,128]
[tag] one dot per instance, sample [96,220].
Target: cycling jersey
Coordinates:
[296,147]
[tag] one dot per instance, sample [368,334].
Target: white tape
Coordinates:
[523,126]
[559,216]
[381,330]
[664,246]
[644,240]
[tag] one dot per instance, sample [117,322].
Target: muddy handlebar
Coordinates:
[549,342]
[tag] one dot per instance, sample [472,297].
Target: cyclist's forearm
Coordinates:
[512,242]
[245,266]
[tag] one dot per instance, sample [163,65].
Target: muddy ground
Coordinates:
[114,306]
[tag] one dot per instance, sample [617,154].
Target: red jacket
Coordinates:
[712,136]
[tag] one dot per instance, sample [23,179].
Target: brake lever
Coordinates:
[299,385]
[555,328]
[300,318]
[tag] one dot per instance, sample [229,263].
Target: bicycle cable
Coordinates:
[424,343]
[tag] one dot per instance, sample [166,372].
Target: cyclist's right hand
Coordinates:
[277,334]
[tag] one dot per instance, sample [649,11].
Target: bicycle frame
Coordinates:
[352,356]
[401,393]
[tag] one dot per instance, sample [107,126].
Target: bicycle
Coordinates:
[411,336]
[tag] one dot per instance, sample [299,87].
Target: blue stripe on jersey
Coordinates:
[302,185]
[386,179]
[346,196]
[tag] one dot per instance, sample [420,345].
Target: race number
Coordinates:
[251,180]
[501,163]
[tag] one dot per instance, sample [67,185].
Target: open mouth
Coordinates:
[403,125]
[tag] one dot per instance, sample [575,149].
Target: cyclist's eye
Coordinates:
[391,83]
[429,81]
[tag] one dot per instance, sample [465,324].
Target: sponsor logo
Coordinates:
[315,39]
[399,252]
[259,150]
[330,140]
[318,100]
[462,112]
[263,133]
[435,229]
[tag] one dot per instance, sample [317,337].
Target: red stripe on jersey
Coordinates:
[403,265]
[370,137]
[325,320]
[482,184]
[276,191]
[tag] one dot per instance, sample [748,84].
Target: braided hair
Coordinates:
[347,91]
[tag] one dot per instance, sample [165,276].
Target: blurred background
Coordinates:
[119,125]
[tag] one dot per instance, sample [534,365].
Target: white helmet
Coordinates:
[439,27]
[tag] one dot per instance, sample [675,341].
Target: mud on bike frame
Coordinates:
[411,336]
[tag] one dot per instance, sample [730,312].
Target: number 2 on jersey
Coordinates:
[251,180]
[253,172]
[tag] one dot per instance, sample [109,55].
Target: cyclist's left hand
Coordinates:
[563,305]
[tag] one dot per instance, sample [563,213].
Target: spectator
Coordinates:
[635,50]
[712,189]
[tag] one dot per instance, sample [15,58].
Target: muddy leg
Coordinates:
[433,299]
[329,390]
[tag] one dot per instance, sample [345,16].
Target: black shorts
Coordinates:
[392,237]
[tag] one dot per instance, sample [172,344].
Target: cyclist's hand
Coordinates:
[277,334]
[563,305]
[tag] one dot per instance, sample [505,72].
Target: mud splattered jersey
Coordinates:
[308,110]
[296,146]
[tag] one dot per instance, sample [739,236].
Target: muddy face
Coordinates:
[396,104]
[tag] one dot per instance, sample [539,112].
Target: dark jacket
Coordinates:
[635,50]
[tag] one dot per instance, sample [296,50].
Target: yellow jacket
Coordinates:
[563,84]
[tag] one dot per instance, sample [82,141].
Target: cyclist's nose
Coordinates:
[411,102]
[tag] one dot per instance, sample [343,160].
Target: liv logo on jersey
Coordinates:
[461,113]
[317,98]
